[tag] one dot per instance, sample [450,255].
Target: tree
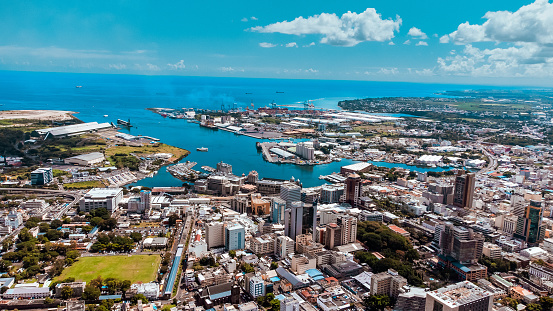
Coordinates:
[73,254]
[91,292]
[96,221]
[173,219]
[56,223]
[377,302]
[546,303]
[135,298]
[97,282]
[66,292]
[124,286]
[5,265]
[136,236]
[534,307]
[274,265]
[232,253]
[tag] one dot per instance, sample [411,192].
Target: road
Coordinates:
[188,224]
[492,165]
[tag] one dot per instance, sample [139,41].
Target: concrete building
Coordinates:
[235,237]
[301,263]
[77,287]
[348,225]
[260,206]
[293,219]
[331,193]
[353,189]
[89,159]
[491,250]
[107,198]
[284,246]
[289,304]
[140,204]
[305,150]
[413,299]
[333,236]
[42,176]
[263,245]
[14,219]
[529,226]
[463,195]
[459,297]
[215,234]
[387,283]
[257,287]
[27,293]
[290,192]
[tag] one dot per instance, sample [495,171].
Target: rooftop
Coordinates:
[459,294]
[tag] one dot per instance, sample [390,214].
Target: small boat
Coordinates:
[105,116]
[78,86]
[202,149]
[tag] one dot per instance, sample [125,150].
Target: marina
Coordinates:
[184,171]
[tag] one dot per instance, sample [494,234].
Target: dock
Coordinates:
[266,153]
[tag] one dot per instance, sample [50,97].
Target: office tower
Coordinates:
[529,226]
[42,176]
[459,297]
[331,193]
[293,221]
[461,243]
[463,195]
[348,224]
[518,204]
[278,206]
[290,192]
[309,213]
[215,234]
[333,236]
[314,224]
[353,189]
[235,237]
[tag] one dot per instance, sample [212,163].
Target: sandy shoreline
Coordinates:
[53,115]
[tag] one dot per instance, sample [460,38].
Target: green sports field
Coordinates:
[138,268]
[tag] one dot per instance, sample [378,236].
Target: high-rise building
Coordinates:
[42,176]
[235,237]
[305,150]
[463,195]
[215,234]
[257,287]
[278,206]
[289,304]
[290,192]
[107,198]
[293,219]
[353,189]
[333,236]
[462,296]
[461,243]
[331,193]
[348,224]
[140,204]
[529,226]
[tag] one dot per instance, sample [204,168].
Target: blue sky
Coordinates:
[489,42]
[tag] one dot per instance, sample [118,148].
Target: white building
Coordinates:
[289,304]
[108,198]
[89,159]
[461,296]
[257,287]
[284,246]
[305,150]
[27,292]
[150,290]
[14,219]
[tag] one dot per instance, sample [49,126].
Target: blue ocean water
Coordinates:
[128,96]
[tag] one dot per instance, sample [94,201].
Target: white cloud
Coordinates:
[177,66]
[311,70]
[309,45]
[153,67]
[407,42]
[417,33]
[388,71]
[117,66]
[391,43]
[348,30]
[421,43]
[444,39]
[253,18]
[530,23]
[230,69]
[266,45]
[244,19]
[292,45]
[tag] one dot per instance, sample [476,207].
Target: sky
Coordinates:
[485,42]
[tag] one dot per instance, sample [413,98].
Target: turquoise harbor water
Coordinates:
[127,97]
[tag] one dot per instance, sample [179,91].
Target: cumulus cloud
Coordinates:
[388,71]
[348,30]
[253,18]
[407,42]
[311,70]
[530,23]
[152,67]
[391,43]
[291,45]
[244,19]
[266,45]
[308,45]
[444,39]
[230,69]
[177,66]
[421,43]
[417,33]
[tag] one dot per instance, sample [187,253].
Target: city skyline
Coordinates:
[492,42]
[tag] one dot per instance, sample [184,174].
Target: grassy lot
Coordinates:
[138,268]
[148,149]
[84,185]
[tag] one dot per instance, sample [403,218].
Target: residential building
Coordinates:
[263,245]
[290,192]
[348,225]
[140,204]
[413,299]
[284,246]
[387,283]
[491,250]
[289,304]
[353,189]
[463,195]
[107,198]
[333,236]
[293,219]
[278,206]
[257,286]
[331,193]
[14,219]
[215,234]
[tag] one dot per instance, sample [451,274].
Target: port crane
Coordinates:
[308,105]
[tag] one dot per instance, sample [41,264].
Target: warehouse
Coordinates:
[74,129]
[89,159]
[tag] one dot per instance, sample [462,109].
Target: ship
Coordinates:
[124,123]
[202,149]
[78,86]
